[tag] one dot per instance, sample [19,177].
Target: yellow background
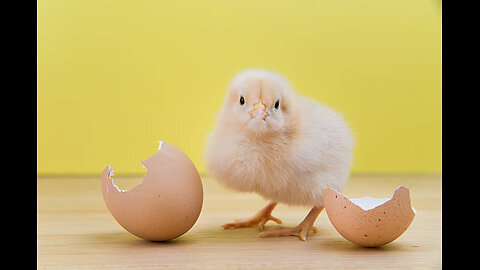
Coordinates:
[115,76]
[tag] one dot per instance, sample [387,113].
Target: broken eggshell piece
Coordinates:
[166,204]
[367,221]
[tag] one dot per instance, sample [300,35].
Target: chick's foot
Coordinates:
[301,230]
[260,218]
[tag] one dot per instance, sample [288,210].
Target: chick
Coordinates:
[283,146]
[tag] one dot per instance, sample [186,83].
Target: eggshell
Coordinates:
[166,204]
[379,223]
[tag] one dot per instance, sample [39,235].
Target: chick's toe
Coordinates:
[260,218]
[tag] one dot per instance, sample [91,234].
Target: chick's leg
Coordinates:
[301,230]
[260,218]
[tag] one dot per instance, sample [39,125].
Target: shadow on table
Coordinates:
[127,239]
[220,237]
[344,245]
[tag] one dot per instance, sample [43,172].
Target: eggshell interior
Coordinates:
[370,222]
[166,204]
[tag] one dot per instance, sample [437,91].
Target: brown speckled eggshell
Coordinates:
[374,227]
[166,204]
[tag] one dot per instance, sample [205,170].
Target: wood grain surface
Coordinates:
[76,231]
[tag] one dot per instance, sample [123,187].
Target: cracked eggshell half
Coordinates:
[367,221]
[166,204]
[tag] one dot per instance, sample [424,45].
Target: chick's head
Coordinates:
[259,102]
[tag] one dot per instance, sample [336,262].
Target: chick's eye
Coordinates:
[277,104]
[242,100]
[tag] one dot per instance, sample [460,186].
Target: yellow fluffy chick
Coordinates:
[285,147]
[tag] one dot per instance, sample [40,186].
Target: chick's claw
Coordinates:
[259,219]
[313,228]
[300,231]
[261,224]
[245,223]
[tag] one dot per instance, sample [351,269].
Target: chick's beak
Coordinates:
[259,111]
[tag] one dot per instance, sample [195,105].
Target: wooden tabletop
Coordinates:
[76,231]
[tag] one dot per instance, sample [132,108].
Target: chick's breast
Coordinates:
[287,169]
[323,153]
